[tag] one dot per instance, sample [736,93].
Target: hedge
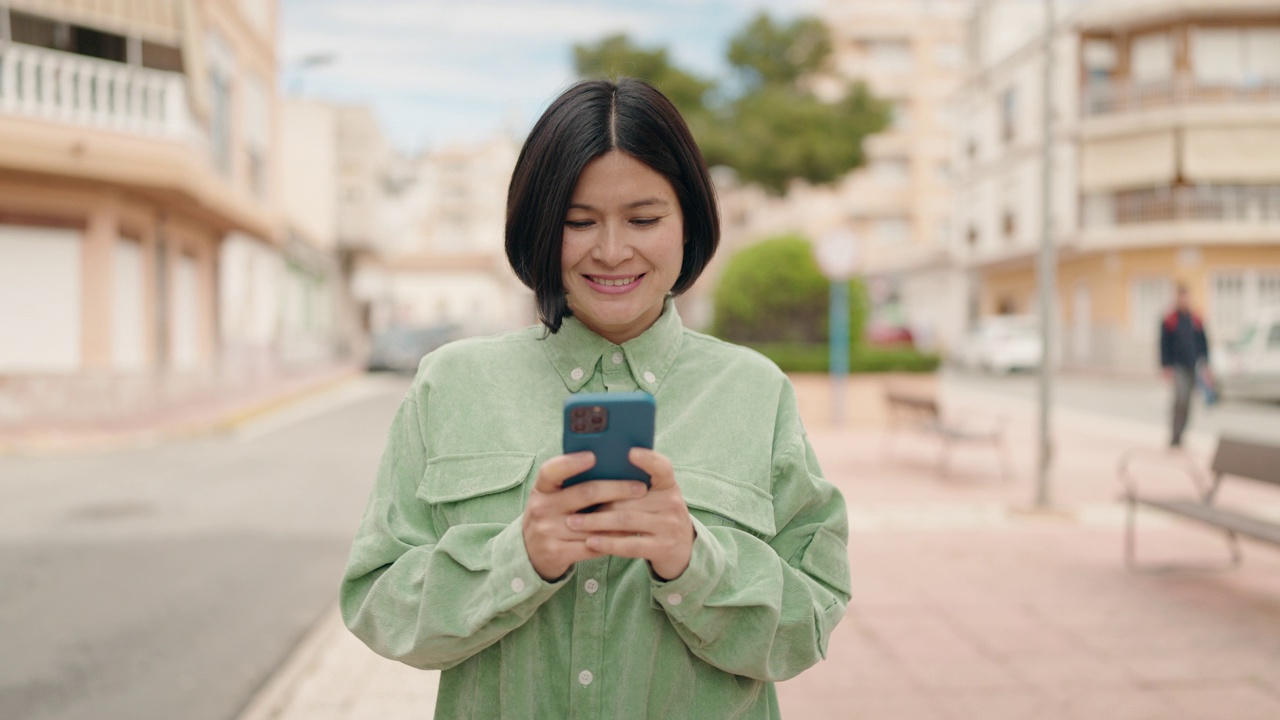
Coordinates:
[815,358]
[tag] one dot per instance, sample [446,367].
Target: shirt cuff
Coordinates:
[686,594]
[517,583]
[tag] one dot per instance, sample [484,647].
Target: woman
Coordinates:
[686,599]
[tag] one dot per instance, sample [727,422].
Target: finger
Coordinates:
[661,474]
[628,546]
[622,522]
[599,492]
[554,472]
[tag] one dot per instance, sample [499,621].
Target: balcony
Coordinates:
[64,87]
[1102,98]
[1183,215]
[1217,203]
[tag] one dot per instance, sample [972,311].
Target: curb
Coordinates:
[272,698]
[214,423]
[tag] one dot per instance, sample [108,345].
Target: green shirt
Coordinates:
[439,577]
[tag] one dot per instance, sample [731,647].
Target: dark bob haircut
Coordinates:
[588,120]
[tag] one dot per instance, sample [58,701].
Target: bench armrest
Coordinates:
[1179,461]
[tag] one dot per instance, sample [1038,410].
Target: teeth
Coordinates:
[614,283]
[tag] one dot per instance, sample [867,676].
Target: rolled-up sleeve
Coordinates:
[765,609]
[427,599]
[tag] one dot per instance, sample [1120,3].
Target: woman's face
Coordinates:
[623,246]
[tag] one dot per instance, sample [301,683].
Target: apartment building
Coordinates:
[1166,134]
[444,260]
[134,137]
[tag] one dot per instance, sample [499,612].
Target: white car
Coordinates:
[1002,344]
[1249,367]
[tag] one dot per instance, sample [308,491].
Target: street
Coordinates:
[170,582]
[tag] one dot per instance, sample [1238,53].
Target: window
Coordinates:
[221,70]
[901,119]
[1235,56]
[891,55]
[161,57]
[891,171]
[1009,114]
[1227,302]
[257,129]
[1152,58]
[892,231]
[1010,225]
[57,35]
[948,55]
[1273,337]
[1100,59]
[1151,299]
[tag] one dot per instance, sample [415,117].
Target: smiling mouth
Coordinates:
[614,282]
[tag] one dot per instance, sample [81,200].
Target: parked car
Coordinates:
[401,349]
[1249,367]
[1002,344]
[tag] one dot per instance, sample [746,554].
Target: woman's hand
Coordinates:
[553,546]
[655,526]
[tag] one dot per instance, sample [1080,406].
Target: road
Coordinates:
[170,582]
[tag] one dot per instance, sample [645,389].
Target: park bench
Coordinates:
[919,412]
[1234,458]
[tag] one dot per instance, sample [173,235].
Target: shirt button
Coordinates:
[650,378]
[591,586]
[674,599]
[585,677]
[617,358]
[517,585]
[576,374]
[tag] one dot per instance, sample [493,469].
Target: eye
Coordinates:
[645,222]
[578,224]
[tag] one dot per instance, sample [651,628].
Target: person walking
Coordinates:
[1184,349]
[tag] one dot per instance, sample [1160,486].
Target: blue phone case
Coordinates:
[630,418]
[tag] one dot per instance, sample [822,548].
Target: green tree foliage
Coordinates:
[773,292]
[773,129]
[773,54]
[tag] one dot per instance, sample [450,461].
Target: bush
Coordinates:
[773,292]
[815,358]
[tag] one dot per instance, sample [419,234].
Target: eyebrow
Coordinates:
[629,206]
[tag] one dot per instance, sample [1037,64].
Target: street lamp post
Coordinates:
[837,256]
[1047,272]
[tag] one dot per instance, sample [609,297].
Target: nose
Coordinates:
[612,247]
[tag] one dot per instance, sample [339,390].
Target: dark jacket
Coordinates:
[1182,340]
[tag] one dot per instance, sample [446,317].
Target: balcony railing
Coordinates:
[1214,203]
[1107,98]
[66,87]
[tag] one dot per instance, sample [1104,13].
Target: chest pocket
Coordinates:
[476,488]
[717,500]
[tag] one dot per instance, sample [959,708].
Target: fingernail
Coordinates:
[575,521]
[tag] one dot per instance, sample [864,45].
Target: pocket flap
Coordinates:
[450,478]
[743,503]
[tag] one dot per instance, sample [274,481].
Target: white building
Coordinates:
[1166,134]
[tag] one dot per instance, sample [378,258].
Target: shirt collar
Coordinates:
[575,351]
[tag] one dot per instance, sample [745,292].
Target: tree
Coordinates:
[770,54]
[616,56]
[773,130]
[773,292]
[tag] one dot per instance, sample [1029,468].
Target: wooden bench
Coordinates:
[1234,458]
[922,413]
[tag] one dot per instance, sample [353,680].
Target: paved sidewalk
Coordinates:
[966,604]
[214,411]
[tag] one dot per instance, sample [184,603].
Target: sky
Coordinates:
[439,72]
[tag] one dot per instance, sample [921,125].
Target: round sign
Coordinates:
[837,254]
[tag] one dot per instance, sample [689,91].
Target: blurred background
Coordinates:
[212,209]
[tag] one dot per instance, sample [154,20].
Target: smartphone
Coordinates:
[609,425]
